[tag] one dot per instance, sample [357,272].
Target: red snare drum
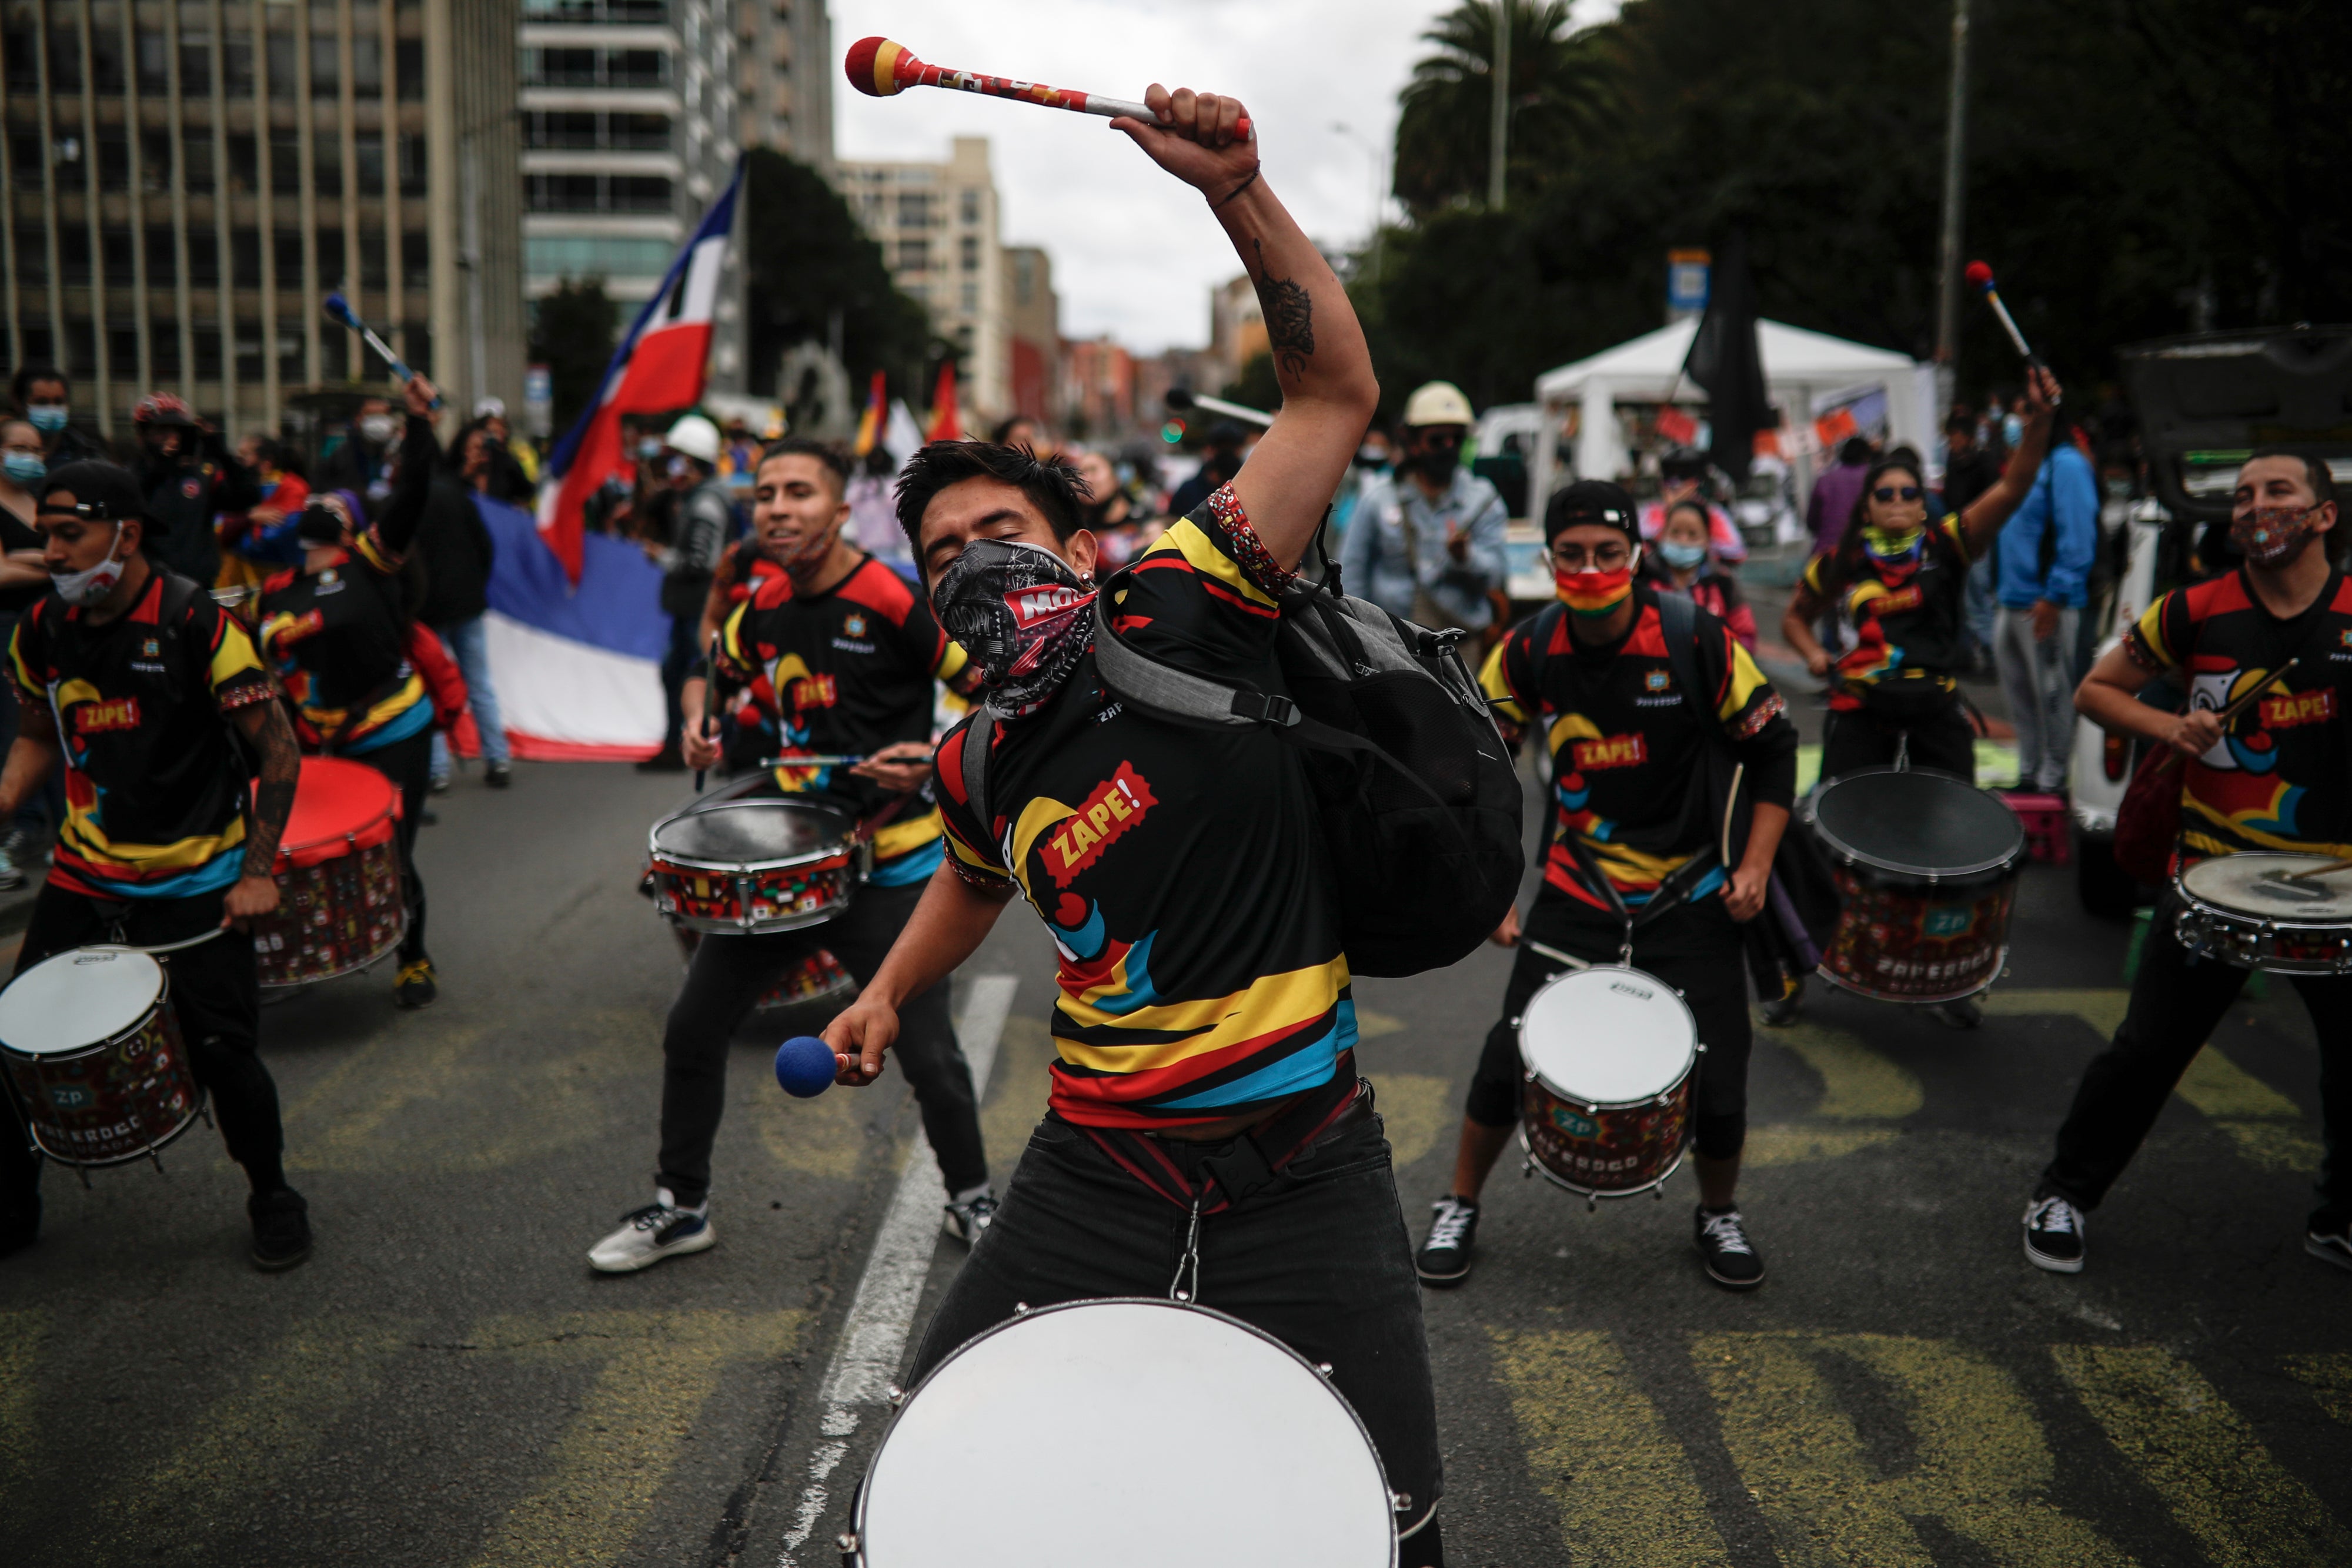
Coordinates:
[340,907]
[94,1051]
[1608,1053]
[741,868]
[1929,866]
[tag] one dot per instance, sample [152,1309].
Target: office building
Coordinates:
[188,180]
[1033,327]
[937,224]
[784,88]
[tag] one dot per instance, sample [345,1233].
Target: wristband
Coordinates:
[1237,190]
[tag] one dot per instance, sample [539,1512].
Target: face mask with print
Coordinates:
[1594,594]
[48,418]
[89,587]
[2272,536]
[24,468]
[375,428]
[1682,557]
[1023,615]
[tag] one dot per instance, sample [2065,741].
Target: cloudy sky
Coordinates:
[1134,253]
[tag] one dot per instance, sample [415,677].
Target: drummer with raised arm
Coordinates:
[337,629]
[1637,838]
[850,653]
[2277,777]
[134,679]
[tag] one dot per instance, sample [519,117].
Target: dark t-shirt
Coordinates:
[1181,869]
[16,534]
[1910,622]
[2280,777]
[1626,745]
[154,787]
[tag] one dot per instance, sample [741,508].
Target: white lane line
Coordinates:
[874,1337]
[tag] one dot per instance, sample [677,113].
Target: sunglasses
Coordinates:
[1896,493]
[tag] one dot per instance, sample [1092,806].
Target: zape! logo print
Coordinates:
[1612,751]
[113,713]
[1110,811]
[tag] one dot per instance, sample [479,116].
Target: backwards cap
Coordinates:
[1591,501]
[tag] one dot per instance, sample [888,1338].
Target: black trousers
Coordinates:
[216,993]
[2177,999]
[728,974]
[1944,740]
[1696,949]
[409,765]
[1318,1257]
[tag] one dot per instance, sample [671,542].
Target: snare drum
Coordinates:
[739,868]
[1052,1441]
[94,1051]
[1608,1054]
[1927,865]
[2244,911]
[339,905]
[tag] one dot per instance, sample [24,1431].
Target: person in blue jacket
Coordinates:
[2043,575]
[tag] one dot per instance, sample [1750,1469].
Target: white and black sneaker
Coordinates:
[2330,1246]
[2053,1235]
[659,1230]
[1731,1260]
[966,1217]
[1443,1260]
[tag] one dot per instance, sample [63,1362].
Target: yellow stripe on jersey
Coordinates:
[897,839]
[332,722]
[1270,1003]
[2150,627]
[1495,681]
[1744,678]
[1202,554]
[1630,867]
[84,838]
[731,638]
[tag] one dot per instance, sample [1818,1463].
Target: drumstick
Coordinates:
[2172,756]
[2345,864]
[700,732]
[1731,804]
[881,68]
[829,760]
[1571,959]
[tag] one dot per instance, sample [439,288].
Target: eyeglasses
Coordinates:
[1608,558]
[1896,493]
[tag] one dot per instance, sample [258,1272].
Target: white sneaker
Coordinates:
[660,1229]
[965,1219]
[2053,1235]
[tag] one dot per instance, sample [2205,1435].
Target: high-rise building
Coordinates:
[785,87]
[1032,326]
[631,120]
[936,225]
[187,180]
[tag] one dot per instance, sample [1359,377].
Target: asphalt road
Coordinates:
[446,1383]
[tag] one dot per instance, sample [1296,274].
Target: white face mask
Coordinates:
[89,587]
[376,428]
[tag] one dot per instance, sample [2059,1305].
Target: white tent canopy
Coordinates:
[1805,373]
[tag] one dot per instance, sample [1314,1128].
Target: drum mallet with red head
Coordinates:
[881,68]
[1980,275]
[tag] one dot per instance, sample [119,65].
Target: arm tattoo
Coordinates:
[1289,317]
[281,766]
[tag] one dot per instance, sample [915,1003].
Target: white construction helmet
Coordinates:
[1438,402]
[697,438]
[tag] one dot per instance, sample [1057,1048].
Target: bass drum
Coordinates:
[93,1048]
[1607,1055]
[2252,911]
[1927,866]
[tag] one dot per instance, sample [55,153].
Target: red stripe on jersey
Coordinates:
[881,590]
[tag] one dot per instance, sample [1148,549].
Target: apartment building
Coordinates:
[1032,326]
[187,179]
[937,224]
[787,71]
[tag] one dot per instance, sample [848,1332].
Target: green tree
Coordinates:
[814,272]
[572,333]
[1559,90]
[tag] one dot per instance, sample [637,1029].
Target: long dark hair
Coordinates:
[1851,562]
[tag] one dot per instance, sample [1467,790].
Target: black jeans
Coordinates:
[2176,1000]
[1318,1257]
[728,975]
[676,663]
[216,993]
[1696,949]
[1944,740]
[409,765]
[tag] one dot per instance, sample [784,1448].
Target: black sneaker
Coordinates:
[499,775]
[2330,1243]
[1731,1260]
[1965,1013]
[2053,1235]
[1782,1011]
[415,987]
[282,1229]
[966,1220]
[1443,1260]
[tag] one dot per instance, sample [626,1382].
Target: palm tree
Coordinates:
[1558,86]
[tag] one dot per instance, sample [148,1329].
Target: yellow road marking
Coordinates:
[608,1466]
[21,1333]
[1858,1084]
[2102,1009]
[1627,1494]
[2200,1456]
[1982,1467]
[1783,1143]
[1415,1107]
[2329,1378]
[1371,1025]
[1017,1088]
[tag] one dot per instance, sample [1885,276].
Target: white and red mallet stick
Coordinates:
[1980,275]
[881,68]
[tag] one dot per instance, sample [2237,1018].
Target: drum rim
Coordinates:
[745,868]
[389,812]
[866,1489]
[162,997]
[1689,1067]
[2200,904]
[1933,876]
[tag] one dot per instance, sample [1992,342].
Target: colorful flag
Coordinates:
[657,368]
[870,423]
[1676,426]
[945,424]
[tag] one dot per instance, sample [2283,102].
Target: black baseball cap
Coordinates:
[1591,501]
[102,492]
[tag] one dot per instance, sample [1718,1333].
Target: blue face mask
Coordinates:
[24,468]
[48,418]
[1682,557]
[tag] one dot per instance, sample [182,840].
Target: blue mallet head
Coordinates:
[806,1066]
[339,311]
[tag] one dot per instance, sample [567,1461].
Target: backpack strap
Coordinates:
[978,736]
[1180,693]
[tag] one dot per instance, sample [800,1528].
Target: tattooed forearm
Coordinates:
[265,727]
[1289,317]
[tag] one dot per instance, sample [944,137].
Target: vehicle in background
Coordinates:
[2203,402]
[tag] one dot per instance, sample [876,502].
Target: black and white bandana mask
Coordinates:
[1022,614]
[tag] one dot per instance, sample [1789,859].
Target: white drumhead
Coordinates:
[1139,1433]
[1607,1036]
[76,999]
[2258,885]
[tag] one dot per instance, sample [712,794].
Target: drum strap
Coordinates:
[1240,1167]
